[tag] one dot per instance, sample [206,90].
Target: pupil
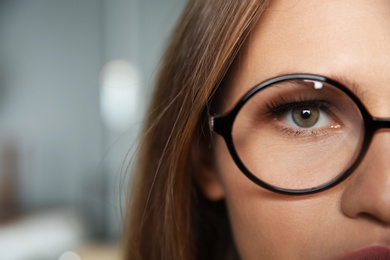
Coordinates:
[306,113]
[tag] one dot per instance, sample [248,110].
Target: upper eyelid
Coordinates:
[357,89]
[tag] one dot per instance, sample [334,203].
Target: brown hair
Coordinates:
[168,217]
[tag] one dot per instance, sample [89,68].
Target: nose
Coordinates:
[367,192]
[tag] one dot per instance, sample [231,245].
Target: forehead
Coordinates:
[336,37]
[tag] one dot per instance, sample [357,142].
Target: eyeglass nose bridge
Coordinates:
[377,123]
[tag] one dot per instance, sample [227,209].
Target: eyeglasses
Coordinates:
[298,134]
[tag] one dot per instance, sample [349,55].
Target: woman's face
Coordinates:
[348,38]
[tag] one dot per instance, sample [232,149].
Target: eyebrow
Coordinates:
[352,85]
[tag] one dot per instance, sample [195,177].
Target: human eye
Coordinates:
[297,109]
[309,117]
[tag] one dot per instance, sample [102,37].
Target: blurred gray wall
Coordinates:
[51,55]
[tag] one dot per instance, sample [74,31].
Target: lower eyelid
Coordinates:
[302,133]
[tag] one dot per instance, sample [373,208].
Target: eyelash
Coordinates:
[281,104]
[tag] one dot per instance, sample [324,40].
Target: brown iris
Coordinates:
[305,117]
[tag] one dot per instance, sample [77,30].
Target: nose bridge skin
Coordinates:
[367,191]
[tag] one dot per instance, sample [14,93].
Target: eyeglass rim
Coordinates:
[223,126]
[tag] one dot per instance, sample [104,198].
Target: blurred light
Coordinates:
[119,95]
[43,235]
[69,256]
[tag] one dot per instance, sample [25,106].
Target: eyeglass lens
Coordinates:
[298,134]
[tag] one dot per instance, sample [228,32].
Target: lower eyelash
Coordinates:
[303,133]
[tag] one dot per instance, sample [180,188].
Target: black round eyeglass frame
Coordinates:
[223,125]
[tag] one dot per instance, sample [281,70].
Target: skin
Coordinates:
[348,38]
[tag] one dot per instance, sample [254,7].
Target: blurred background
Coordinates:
[75,79]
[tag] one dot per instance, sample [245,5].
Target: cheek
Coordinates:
[273,226]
